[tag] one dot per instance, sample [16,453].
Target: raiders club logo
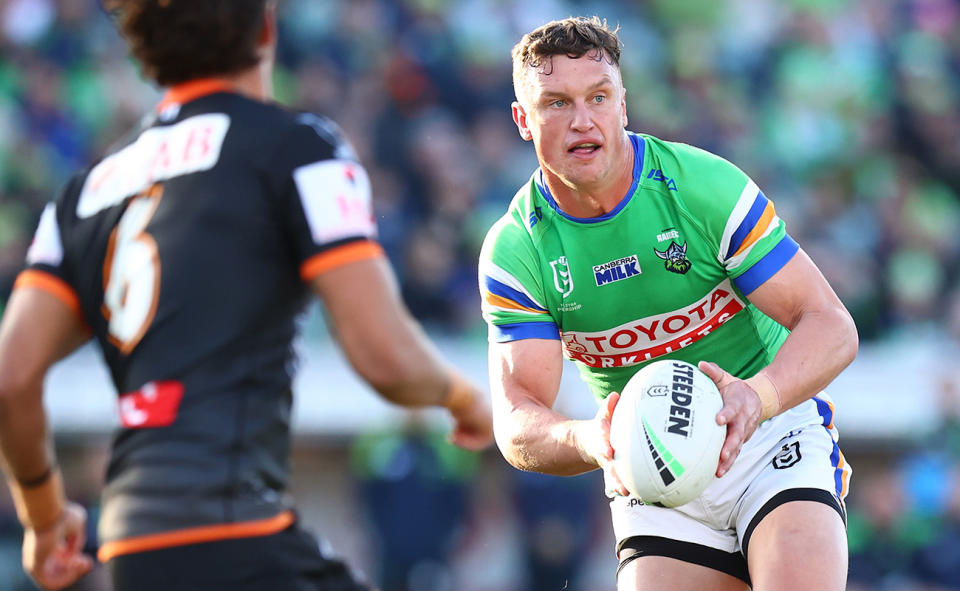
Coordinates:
[675,258]
[788,456]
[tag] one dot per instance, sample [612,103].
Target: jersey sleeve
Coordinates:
[755,243]
[46,268]
[751,240]
[511,289]
[326,204]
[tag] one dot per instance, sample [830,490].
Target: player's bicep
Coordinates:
[38,329]
[797,288]
[523,372]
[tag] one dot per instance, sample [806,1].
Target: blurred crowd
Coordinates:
[846,113]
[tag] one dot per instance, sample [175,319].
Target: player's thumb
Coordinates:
[713,371]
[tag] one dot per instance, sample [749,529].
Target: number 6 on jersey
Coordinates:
[131,273]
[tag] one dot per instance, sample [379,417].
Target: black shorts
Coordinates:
[287,561]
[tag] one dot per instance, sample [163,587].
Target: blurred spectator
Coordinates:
[557,516]
[938,562]
[884,535]
[415,487]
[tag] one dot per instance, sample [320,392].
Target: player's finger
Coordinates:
[713,371]
[610,405]
[611,482]
[732,406]
[467,440]
[731,447]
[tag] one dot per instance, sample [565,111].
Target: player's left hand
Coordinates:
[473,428]
[53,557]
[740,413]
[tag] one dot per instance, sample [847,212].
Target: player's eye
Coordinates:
[558,103]
[597,99]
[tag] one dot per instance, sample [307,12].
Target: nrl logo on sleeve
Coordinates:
[562,278]
[616,270]
[675,258]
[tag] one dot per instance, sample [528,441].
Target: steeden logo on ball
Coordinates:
[665,435]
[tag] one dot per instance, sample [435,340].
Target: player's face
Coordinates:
[575,112]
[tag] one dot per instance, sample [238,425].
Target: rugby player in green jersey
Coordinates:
[624,248]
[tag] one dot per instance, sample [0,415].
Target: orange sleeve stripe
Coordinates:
[336,257]
[58,288]
[502,302]
[196,535]
[759,229]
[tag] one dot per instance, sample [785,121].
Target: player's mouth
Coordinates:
[584,148]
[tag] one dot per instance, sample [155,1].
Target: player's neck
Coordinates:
[590,200]
[255,82]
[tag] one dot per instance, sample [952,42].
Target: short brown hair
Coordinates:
[573,37]
[180,40]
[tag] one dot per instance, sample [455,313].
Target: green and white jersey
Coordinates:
[663,275]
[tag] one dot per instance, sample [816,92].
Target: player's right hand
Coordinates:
[53,556]
[595,446]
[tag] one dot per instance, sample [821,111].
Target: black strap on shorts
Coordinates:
[816,495]
[731,563]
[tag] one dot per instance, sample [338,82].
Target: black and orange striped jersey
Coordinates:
[188,251]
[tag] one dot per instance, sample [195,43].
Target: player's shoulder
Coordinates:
[519,224]
[687,161]
[694,177]
[290,130]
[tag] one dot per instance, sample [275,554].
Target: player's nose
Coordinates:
[582,118]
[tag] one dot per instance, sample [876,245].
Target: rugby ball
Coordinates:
[665,435]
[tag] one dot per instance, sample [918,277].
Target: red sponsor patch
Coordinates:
[154,405]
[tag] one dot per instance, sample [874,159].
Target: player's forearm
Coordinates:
[23,430]
[819,347]
[534,438]
[405,368]
[28,461]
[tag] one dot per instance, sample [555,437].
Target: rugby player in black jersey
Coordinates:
[186,253]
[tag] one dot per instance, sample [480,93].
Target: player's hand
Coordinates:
[740,413]
[473,423]
[53,557]
[595,446]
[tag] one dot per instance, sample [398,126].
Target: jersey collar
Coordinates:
[638,146]
[185,92]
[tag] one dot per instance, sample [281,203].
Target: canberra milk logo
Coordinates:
[562,278]
[616,270]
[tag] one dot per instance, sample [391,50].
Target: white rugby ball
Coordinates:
[665,435]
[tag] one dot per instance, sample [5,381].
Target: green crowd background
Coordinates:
[846,113]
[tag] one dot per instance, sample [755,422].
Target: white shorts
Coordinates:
[793,456]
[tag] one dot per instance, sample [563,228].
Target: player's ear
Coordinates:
[623,106]
[268,34]
[520,118]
